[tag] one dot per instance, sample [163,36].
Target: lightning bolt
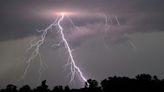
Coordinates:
[74,69]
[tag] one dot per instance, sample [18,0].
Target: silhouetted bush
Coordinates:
[25,88]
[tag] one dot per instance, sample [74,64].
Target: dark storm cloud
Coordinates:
[19,19]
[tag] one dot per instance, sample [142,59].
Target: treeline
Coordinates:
[141,83]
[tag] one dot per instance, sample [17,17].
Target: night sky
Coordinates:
[132,44]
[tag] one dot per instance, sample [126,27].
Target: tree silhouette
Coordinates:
[141,83]
[25,88]
[92,83]
[11,88]
[58,89]
[67,89]
[144,77]
[42,88]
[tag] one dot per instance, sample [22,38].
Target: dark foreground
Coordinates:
[141,83]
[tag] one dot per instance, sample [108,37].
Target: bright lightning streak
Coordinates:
[36,53]
[74,68]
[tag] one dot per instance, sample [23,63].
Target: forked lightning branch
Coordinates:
[75,70]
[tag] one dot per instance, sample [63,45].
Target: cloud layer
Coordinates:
[21,19]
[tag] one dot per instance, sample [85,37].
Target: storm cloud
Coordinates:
[21,19]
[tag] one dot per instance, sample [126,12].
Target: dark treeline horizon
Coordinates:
[141,83]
